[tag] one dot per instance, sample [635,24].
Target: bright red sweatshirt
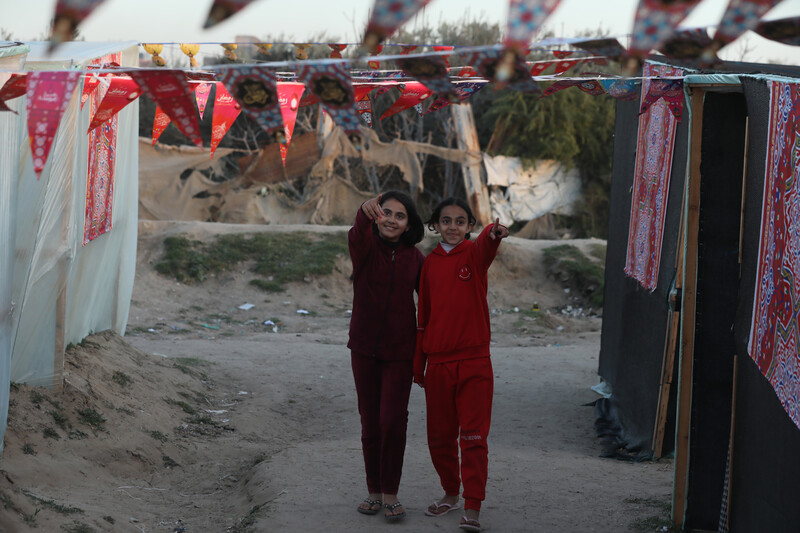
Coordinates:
[453,314]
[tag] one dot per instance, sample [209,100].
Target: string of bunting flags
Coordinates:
[271,92]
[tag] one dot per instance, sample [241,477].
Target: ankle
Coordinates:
[390,499]
[450,499]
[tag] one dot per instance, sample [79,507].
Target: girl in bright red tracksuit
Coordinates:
[453,335]
[386,269]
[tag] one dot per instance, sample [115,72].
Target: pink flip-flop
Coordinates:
[440,509]
[467,524]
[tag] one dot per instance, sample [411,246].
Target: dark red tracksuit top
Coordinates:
[384,319]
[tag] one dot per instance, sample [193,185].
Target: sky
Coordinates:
[344,21]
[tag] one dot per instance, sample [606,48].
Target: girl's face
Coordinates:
[394,221]
[453,224]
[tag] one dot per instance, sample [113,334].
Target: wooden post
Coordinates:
[670,347]
[688,310]
[467,138]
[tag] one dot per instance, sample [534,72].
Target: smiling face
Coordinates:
[453,224]
[394,221]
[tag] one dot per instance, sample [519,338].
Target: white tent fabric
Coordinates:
[61,291]
[11,57]
[518,194]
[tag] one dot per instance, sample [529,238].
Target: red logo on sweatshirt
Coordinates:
[464,273]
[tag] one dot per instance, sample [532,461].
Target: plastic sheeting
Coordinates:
[53,290]
[10,124]
[518,194]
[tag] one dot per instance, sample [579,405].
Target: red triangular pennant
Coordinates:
[121,92]
[289,96]
[170,91]
[160,123]
[226,110]
[48,95]
[14,87]
[201,92]
[413,94]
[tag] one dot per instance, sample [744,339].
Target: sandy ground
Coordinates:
[202,418]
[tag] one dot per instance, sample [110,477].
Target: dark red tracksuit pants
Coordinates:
[458,397]
[383,389]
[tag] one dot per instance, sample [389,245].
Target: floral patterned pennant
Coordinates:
[330,82]
[525,17]
[671,90]
[687,44]
[387,16]
[621,88]
[256,91]
[68,15]
[170,91]
[430,70]
[464,89]
[592,87]
[786,31]
[740,16]
[487,63]
[655,22]
[48,95]
[336,50]
[223,9]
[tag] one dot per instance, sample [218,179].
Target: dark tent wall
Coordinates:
[635,320]
[722,157]
[765,463]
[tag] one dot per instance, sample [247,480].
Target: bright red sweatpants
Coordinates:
[458,397]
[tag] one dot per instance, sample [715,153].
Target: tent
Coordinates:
[676,358]
[54,289]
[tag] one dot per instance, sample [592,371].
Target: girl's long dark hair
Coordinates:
[416,229]
[437,212]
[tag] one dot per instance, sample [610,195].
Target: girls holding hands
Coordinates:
[452,360]
[386,270]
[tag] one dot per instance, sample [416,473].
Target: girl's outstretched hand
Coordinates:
[372,208]
[498,231]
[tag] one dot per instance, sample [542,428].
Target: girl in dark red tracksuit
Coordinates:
[453,339]
[386,269]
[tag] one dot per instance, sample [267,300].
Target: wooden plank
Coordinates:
[744,189]
[688,310]
[670,347]
[467,139]
[665,388]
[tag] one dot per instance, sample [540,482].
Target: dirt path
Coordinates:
[209,420]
